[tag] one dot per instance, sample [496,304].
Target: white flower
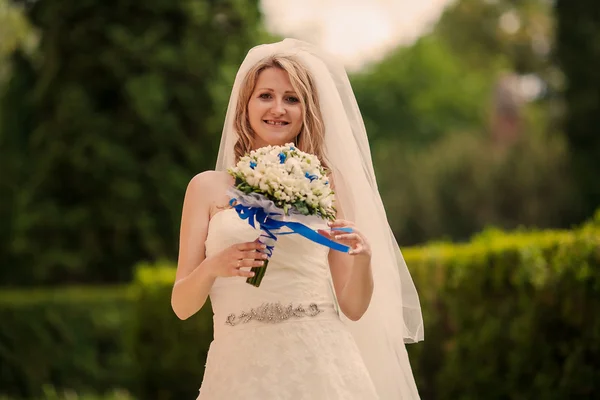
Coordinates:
[264,187]
[286,174]
[326,202]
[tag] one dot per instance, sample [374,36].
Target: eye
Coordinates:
[265,95]
[293,99]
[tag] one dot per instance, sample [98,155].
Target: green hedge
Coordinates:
[508,316]
[169,353]
[91,340]
[50,393]
[69,338]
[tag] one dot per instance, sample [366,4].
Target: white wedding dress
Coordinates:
[310,355]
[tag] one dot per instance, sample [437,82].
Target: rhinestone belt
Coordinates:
[273,313]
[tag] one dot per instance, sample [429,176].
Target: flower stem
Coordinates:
[259,273]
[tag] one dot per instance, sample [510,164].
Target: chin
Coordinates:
[267,140]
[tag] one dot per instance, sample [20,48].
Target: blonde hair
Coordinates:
[311,136]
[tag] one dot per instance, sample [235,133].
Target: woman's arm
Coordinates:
[192,282]
[195,273]
[351,272]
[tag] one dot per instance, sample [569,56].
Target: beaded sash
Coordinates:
[273,313]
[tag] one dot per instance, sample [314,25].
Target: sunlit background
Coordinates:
[483,119]
[359,33]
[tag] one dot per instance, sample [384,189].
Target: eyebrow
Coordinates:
[271,90]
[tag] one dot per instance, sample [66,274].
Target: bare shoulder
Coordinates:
[209,180]
[210,188]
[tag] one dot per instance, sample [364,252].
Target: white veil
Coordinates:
[394,315]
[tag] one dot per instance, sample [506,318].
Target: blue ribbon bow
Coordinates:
[257,215]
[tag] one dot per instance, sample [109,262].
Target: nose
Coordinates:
[278,108]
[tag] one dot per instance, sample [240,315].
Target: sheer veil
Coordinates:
[394,315]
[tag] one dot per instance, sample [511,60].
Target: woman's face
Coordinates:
[274,109]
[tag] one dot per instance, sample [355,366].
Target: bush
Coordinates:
[72,338]
[169,354]
[51,394]
[510,316]
[89,339]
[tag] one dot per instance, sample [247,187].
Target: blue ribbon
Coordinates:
[257,215]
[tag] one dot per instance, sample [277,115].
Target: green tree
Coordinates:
[443,82]
[578,53]
[16,125]
[420,93]
[512,34]
[127,103]
[16,34]
[464,183]
[435,109]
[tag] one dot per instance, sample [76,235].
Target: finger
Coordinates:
[249,263]
[255,245]
[250,246]
[254,255]
[359,248]
[325,233]
[241,272]
[340,222]
[348,236]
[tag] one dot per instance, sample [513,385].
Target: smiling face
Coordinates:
[274,109]
[278,103]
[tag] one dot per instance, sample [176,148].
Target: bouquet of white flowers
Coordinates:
[278,181]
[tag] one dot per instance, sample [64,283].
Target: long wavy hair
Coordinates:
[311,136]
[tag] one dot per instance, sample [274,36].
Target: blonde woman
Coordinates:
[343,318]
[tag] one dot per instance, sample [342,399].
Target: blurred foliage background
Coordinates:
[487,123]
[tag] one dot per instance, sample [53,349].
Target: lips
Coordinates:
[275,123]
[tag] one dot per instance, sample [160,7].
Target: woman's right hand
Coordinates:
[229,262]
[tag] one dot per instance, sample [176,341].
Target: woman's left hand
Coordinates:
[346,233]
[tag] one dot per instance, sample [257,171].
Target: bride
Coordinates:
[323,324]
